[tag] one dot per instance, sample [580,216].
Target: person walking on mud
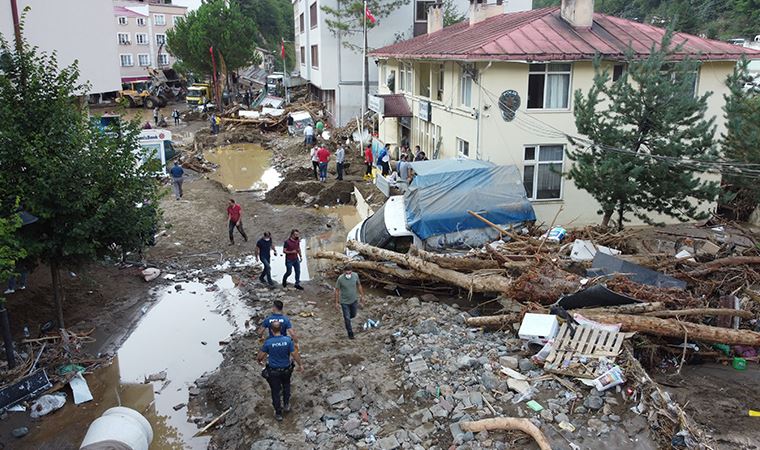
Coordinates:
[315,162]
[368,160]
[348,292]
[277,316]
[340,156]
[264,250]
[292,250]
[323,156]
[278,350]
[177,173]
[175,115]
[155,115]
[235,220]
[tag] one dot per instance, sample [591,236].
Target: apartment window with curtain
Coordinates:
[313,15]
[159,19]
[141,21]
[408,77]
[441,74]
[315,56]
[463,148]
[549,86]
[300,23]
[303,55]
[126,60]
[143,59]
[123,38]
[465,85]
[405,78]
[160,39]
[141,38]
[123,20]
[163,59]
[542,171]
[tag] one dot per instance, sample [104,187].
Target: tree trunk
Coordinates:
[718,264]
[676,329]
[702,312]
[508,423]
[471,282]
[55,273]
[376,267]
[606,219]
[492,321]
[621,211]
[456,263]
[544,284]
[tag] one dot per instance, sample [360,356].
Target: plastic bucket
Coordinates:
[123,425]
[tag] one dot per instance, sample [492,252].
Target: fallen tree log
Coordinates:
[472,282]
[543,284]
[492,321]
[676,329]
[507,424]
[702,312]
[376,267]
[635,308]
[718,264]
[454,262]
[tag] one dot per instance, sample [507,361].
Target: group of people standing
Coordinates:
[320,157]
[279,350]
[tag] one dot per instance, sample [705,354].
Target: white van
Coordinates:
[155,145]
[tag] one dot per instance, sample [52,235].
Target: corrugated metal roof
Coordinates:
[542,35]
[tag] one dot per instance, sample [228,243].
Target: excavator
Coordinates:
[154,92]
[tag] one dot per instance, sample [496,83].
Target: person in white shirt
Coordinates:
[340,156]
[315,162]
[308,134]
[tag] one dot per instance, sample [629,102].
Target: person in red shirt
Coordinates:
[368,159]
[292,250]
[323,156]
[235,218]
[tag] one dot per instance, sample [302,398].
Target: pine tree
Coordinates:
[640,130]
[741,144]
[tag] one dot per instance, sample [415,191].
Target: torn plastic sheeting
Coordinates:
[24,389]
[595,296]
[586,250]
[608,265]
[80,389]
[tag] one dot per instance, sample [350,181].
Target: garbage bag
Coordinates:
[47,404]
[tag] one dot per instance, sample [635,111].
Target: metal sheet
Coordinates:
[27,387]
[608,265]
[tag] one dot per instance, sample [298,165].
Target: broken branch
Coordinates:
[508,423]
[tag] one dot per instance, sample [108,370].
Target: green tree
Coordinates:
[82,184]
[741,143]
[274,22]
[214,24]
[641,129]
[452,14]
[10,248]
[347,19]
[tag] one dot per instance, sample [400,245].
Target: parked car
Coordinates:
[297,121]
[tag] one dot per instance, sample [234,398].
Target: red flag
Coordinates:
[369,15]
[282,48]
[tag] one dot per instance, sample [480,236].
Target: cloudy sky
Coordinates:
[191,4]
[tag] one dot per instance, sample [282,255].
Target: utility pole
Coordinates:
[16,25]
[364,76]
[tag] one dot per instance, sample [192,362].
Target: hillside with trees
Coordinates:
[716,19]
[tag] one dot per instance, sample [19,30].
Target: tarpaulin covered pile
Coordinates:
[443,191]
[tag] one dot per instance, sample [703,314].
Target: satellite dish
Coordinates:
[509,103]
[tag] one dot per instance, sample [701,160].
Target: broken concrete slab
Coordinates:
[418,366]
[388,443]
[519,386]
[340,396]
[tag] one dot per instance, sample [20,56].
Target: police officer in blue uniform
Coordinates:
[286,327]
[278,351]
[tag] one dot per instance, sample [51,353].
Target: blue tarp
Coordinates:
[440,195]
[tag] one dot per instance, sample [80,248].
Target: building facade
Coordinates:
[507,96]
[77,30]
[332,63]
[140,36]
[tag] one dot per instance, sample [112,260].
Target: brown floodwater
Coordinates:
[180,335]
[244,167]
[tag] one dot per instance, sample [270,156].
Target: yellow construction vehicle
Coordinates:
[198,94]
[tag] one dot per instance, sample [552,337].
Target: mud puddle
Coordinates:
[180,335]
[244,167]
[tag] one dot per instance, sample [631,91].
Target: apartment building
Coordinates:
[454,91]
[77,30]
[140,36]
[332,62]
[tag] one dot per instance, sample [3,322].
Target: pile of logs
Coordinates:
[270,123]
[536,274]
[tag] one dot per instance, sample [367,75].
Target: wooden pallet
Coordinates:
[579,354]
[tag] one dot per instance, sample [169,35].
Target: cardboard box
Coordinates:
[538,327]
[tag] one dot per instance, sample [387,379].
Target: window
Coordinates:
[123,38]
[441,73]
[159,19]
[123,20]
[126,60]
[463,148]
[162,59]
[141,38]
[405,78]
[421,10]
[300,23]
[465,85]
[143,59]
[313,15]
[315,56]
[549,86]
[141,21]
[542,174]
[681,77]
[176,20]
[617,71]
[160,39]
[303,55]
[391,81]
[424,79]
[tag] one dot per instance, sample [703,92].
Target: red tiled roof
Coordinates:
[396,106]
[542,35]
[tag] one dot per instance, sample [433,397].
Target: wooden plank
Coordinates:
[590,343]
